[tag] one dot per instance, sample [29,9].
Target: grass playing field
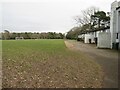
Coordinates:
[46,63]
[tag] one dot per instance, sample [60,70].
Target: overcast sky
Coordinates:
[45,15]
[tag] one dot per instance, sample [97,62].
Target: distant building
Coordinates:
[115,25]
[19,38]
[89,37]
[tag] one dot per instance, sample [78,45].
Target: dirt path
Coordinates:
[106,58]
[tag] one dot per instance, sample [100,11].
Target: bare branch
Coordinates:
[85,17]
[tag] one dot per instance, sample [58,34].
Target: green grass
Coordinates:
[35,49]
[23,59]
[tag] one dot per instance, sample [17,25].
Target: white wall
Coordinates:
[107,30]
[81,36]
[104,40]
[118,21]
[96,33]
[114,22]
[89,36]
[118,25]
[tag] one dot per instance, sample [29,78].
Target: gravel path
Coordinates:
[106,58]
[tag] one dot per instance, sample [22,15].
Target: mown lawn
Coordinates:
[47,63]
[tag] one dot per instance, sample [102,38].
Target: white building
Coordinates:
[19,38]
[103,36]
[115,25]
[89,38]
[81,37]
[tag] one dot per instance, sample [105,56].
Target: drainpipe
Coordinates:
[117,42]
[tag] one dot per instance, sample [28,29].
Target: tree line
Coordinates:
[90,19]
[6,35]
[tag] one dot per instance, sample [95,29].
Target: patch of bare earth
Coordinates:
[72,71]
[106,58]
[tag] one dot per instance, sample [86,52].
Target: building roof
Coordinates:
[99,29]
[95,30]
[118,8]
[118,5]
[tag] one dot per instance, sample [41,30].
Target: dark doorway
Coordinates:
[95,40]
[90,41]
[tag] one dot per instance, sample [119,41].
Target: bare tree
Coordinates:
[85,17]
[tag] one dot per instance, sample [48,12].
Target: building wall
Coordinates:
[104,40]
[107,30]
[81,36]
[93,35]
[89,36]
[114,23]
[96,33]
[118,25]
